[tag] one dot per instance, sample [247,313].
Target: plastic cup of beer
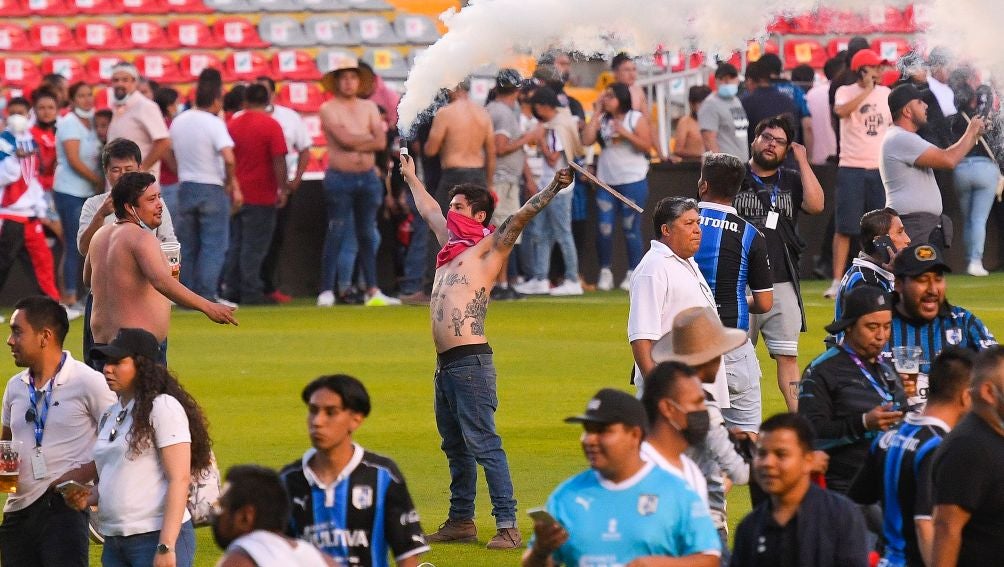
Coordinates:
[172,251]
[906,359]
[9,464]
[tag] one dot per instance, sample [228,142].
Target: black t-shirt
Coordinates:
[968,473]
[780,544]
[786,188]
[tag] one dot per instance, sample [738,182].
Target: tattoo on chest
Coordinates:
[454,279]
[476,310]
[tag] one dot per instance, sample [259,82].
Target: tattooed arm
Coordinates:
[506,235]
[426,204]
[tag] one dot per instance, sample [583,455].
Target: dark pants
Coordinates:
[270,266]
[47,533]
[250,236]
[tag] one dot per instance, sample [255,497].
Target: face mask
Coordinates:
[728,91]
[85,114]
[17,124]
[698,425]
[139,220]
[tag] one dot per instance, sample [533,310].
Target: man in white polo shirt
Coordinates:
[51,410]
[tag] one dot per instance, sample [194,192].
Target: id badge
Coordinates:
[38,471]
[772,218]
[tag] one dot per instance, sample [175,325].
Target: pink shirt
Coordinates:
[139,120]
[862,132]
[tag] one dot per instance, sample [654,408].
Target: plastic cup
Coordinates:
[906,359]
[9,464]
[172,251]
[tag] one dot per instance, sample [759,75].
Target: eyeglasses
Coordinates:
[768,139]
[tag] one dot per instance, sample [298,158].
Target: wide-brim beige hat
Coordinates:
[698,336]
[366,78]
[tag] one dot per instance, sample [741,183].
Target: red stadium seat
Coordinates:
[889,20]
[244,66]
[778,26]
[13,8]
[836,45]
[191,64]
[807,24]
[13,38]
[754,52]
[916,18]
[65,65]
[20,72]
[99,68]
[803,52]
[50,8]
[295,65]
[313,124]
[238,32]
[91,7]
[146,35]
[301,97]
[192,33]
[100,36]
[678,62]
[158,67]
[187,7]
[144,7]
[52,36]
[318,160]
[891,48]
[836,21]
[102,97]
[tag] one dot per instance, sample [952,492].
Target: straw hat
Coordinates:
[698,336]
[366,78]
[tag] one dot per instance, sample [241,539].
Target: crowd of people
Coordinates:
[874,457]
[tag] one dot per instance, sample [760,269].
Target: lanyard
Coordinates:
[774,189]
[871,379]
[39,417]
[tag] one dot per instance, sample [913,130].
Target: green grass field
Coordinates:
[551,355]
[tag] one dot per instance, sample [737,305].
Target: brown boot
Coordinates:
[506,538]
[455,531]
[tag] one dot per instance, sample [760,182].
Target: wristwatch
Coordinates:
[163,549]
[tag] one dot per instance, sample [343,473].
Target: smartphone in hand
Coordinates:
[541,515]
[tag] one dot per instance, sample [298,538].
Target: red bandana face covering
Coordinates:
[464,233]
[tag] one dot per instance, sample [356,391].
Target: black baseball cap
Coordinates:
[902,96]
[612,406]
[918,259]
[129,342]
[857,303]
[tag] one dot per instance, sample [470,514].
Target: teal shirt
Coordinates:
[67,180]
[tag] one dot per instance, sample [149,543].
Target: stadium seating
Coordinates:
[96,7]
[327,30]
[276,5]
[144,7]
[158,67]
[187,6]
[13,38]
[803,52]
[891,48]
[415,29]
[20,71]
[100,36]
[836,45]
[65,65]
[99,68]
[313,124]
[282,31]
[237,32]
[294,65]
[102,97]
[375,5]
[13,8]
[323,5]
[244,66]
[301,97]
[388,63]
[52,36]
[332,58]
[145,34]
[372,30]
[232,6]
[191,32]
[50,8]
[191,64]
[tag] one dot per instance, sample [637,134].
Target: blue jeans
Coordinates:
[554,226]
[69,208]
[465,416]
[140,550]
[414,258]
[250,236]
[203,228]
[976,185]
[353,200]
[169,194]
[608,208]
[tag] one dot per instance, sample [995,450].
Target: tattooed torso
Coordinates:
[459,303]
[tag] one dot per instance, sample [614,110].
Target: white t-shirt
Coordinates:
[79,396]
[620,162]
[690,473]
[547,171]
[295,131]
[197,138]
[131,489]
[268,549]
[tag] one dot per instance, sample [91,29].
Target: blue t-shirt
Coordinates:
[652,513]
[67,180]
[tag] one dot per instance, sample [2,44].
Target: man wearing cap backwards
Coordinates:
[908,163]
[624,511]
[137,118]
[863,109]
[922,315]
[472,255]
[848,393]
[353,192]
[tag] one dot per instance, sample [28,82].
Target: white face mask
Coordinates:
[17,124]
[84,114]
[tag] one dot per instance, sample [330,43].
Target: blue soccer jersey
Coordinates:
[652,513]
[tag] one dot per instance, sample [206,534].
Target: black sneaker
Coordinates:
[351,296]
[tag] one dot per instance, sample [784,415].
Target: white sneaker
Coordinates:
[378,299]
[533,287]
[72,313]
[568,287]
[831,292]
[606,281]
[226,302]
[626,284]
[326,299]
[976,268]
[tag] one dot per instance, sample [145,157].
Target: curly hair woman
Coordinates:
[149,444]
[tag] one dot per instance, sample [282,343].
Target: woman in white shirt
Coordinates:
[626,137]
[149,443]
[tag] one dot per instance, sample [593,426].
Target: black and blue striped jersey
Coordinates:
[862,272]
[733,254]
[358,517]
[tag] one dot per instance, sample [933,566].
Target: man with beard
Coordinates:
[128,274]
[771,198]
[137,118]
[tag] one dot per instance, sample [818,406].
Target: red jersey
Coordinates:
[45,139]
[257,140]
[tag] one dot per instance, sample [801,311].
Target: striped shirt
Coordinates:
[732,256]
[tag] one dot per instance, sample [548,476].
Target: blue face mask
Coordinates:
[728,91]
